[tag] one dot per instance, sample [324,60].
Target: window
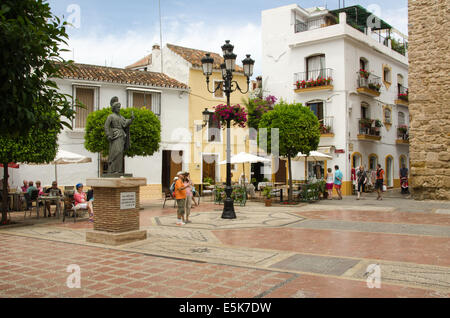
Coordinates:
[317,109]
[365,111]
[151,101]
[401,118]
[213,130]
[387,74]
[387,115]
[363,64]
[85,96]
[315,67]
[219,92]
[400,83]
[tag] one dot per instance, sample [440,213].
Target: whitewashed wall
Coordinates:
[174,115]
[284,53]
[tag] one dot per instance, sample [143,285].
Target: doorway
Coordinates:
[389,172]
[209,167]
[257,173]
[172,163]
[280,175]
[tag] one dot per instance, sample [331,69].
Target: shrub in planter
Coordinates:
[267,194]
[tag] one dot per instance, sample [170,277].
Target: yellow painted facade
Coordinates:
[200,99]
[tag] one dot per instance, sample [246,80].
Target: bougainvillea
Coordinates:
[257,107]
[235,113]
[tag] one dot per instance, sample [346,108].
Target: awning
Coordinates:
[358,16]
[11,165]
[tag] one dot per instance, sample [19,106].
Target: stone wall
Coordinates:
[429,96]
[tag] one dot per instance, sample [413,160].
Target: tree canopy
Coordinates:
[145,132]
[298,130]
[30,36]
[39,145]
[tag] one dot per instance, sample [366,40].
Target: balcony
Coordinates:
[369,129]
[326,127]
[317,80]
[402,135]
[402,96]
[368,84]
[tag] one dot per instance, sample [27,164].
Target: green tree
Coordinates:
[145,132]
[298,130]
[30,39]
[39,145]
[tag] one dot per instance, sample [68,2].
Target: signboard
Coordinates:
[127,200]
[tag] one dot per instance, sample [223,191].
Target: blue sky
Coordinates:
[118,32]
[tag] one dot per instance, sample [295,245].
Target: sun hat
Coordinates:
[180,173]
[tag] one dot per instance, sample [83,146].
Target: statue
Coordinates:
[117,130]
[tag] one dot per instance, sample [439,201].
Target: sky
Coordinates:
[119,32]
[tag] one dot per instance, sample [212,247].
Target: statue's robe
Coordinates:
[117,131]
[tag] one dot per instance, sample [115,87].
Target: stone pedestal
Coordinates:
[116,211]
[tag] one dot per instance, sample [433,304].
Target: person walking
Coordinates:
[379,182]
[180,196]
[189,196]
[404,179]
[330,182]
[338,176]
[361,178]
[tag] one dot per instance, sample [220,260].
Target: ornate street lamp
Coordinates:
[229,86]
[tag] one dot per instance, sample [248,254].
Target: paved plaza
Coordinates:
[324,249]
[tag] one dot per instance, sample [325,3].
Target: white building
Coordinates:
[302,49]
[95,86]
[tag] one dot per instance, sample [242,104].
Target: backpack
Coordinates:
[172,189]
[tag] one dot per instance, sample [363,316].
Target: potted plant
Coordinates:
[207,181]
[267,194]
[363,73]
[366,122]
[378,123]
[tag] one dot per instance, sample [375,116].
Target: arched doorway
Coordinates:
[356,160]
[389,171]
[373,161]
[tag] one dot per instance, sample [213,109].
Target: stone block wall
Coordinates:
[429,98]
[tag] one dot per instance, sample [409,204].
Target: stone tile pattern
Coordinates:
[27,269]
[429,65]
[107,213]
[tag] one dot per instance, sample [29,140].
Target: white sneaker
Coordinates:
[180,223]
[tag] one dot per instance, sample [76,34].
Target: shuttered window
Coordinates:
[85,96]
[151,101]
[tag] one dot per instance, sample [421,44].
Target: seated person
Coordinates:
[25,186]
[30,189]
[53,191]
[41,191]
[81,201]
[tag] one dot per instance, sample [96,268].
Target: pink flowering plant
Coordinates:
[235,113]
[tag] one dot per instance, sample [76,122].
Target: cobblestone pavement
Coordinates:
[325,249]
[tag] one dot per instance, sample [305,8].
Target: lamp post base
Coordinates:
[228,209]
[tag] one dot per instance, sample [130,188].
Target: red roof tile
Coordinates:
[120,75]
[147,60]
[195,56]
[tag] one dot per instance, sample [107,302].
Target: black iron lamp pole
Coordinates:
[229,86]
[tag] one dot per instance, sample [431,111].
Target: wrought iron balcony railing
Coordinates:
[402,132]
[322,77]
[368,80]
[402,92]
[326,125]
[368,127]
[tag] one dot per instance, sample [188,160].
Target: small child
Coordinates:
[330,181]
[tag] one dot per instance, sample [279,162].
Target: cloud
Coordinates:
[120,50]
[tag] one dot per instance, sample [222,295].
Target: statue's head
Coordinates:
[116,107]
[115,99]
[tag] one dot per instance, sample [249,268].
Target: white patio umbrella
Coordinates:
[66,157]
[244,158]
[313,156]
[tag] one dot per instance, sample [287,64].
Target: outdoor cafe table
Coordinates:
[49,198]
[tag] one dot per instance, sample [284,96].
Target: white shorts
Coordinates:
[81,206]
